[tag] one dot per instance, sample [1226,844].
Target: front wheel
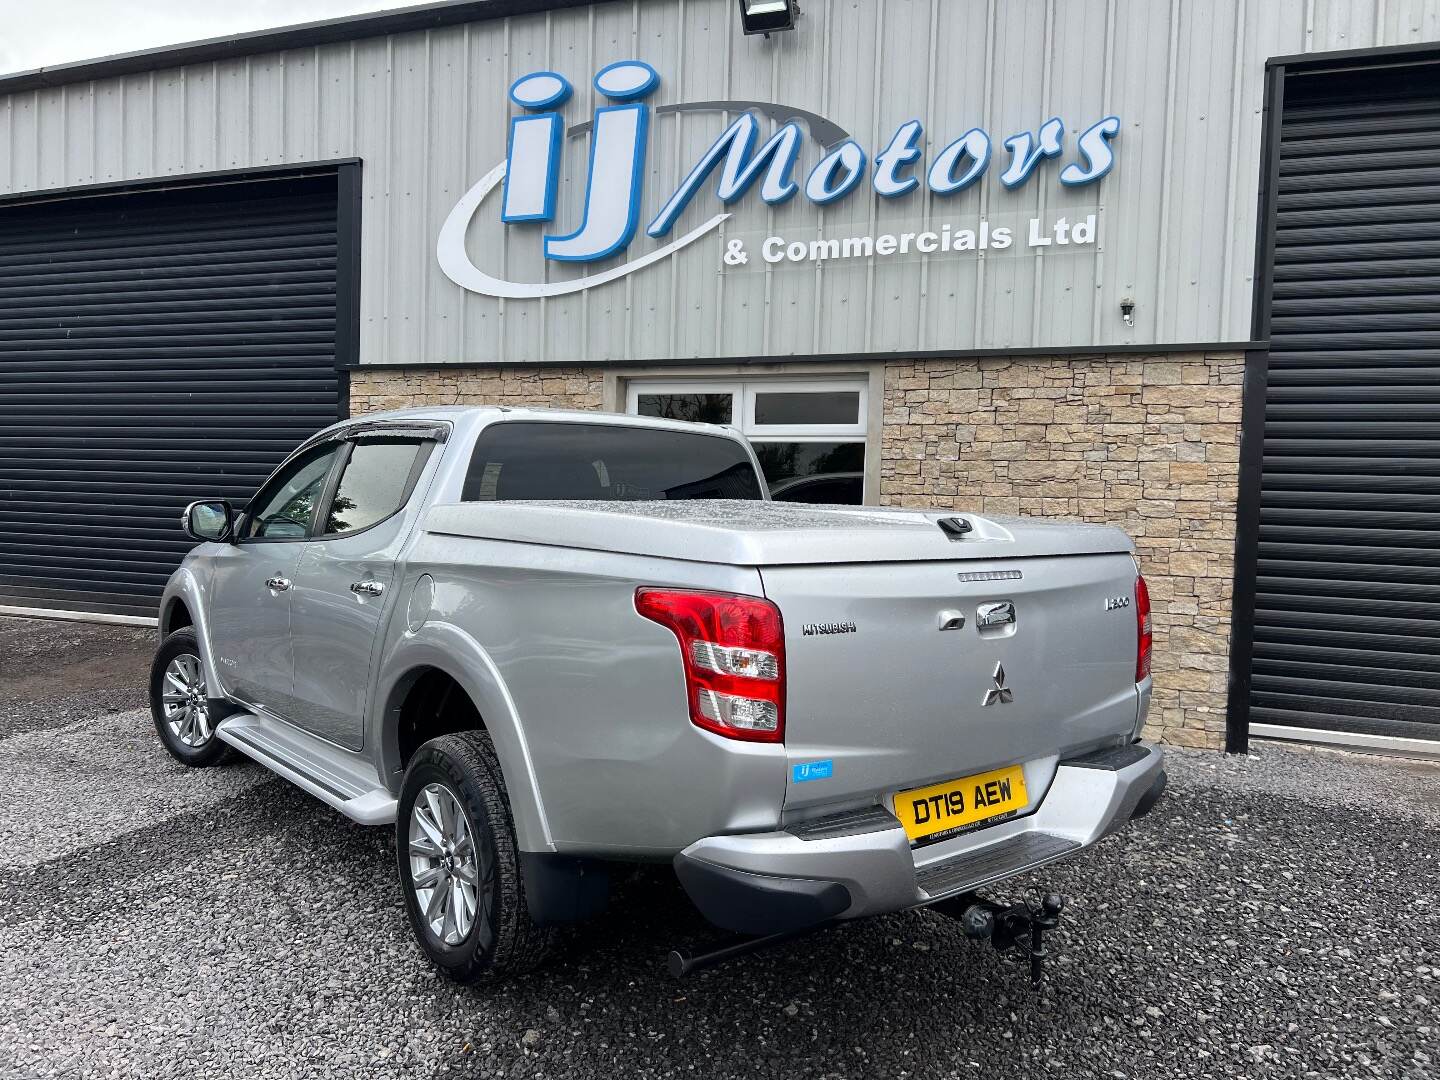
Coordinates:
[183,713]
[460,865]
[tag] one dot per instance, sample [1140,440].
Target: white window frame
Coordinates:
[805,432]
[635,387]
[742,390]
[742,410]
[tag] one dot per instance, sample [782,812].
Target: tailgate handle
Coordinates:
[997,614]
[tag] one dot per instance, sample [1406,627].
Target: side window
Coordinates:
[373,486]
[284,507]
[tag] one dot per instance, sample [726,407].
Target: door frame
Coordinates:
[1252,410]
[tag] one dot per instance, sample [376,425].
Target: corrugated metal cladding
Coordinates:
[428,113]
[153,347]
[1348,581]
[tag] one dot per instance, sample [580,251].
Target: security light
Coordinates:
[767,16]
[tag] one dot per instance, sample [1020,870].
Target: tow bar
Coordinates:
[1007,925]
[683,961]
[1021,925]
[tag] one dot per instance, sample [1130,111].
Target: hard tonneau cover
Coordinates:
[756,533]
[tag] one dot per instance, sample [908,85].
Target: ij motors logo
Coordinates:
[736,164]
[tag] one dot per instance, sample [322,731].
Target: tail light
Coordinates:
[733,649]
[1145,640]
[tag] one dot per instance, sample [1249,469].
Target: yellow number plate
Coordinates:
[945,808]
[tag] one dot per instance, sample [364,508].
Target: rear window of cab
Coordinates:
[546,460]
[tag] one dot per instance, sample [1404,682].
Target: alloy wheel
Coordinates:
[451,873]
[186,709]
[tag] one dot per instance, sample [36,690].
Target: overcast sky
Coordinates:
[37,33]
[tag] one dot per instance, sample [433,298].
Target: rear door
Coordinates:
[344,583]
[904,674]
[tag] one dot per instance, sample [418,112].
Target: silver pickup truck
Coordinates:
[542,643]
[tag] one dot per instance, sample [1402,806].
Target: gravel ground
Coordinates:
[1275,916]
[53,672]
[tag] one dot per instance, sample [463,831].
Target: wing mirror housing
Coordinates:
[209,520]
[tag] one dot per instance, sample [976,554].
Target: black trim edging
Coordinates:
[1252,429]
[174,181]
[1076,352]
[348,202]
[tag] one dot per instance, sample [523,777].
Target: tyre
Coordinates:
[460,865]
[185,717]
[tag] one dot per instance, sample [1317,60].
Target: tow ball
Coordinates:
[1021,925]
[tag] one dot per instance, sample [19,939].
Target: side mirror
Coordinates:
[210,520]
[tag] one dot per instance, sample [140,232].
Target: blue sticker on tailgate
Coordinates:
[812,770]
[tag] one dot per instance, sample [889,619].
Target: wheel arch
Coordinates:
[184,593]
[175,616]
[443,651]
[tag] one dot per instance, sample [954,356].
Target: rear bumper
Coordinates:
[860,862]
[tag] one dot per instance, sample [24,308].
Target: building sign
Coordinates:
[1061,231]
[738,164]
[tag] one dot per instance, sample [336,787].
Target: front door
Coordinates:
[253,580]
[344,584]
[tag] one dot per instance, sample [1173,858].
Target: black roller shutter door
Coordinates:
[1347,621]
[155,347]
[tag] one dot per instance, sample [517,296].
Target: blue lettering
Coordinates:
[532,159]
[901,152]
[822,186]
[776,157]
[740,160]
[617,160]
[1094,147]
[1026,151]
[976,145]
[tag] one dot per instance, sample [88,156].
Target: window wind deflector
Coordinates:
[434,431]
[391,429]
[955,528]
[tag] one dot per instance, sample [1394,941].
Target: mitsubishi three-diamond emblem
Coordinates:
[999,693]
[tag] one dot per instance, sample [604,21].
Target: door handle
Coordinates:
[367,588]
[279,584]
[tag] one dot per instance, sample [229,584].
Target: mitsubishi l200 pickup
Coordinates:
[541,643]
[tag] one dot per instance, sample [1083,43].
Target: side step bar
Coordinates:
[334,776]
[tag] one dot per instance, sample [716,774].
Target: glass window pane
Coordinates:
[802,407]
[813,471]
[282,511]
[696,408]
[839,488]
[371,487]
[530,460]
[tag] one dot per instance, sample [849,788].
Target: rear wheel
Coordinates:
[184,716]
[460,865]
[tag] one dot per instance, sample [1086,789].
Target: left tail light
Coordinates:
[1145,643]
[733,650]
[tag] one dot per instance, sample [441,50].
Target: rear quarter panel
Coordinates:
[585,698]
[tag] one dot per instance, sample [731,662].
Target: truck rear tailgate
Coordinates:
[876,687]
